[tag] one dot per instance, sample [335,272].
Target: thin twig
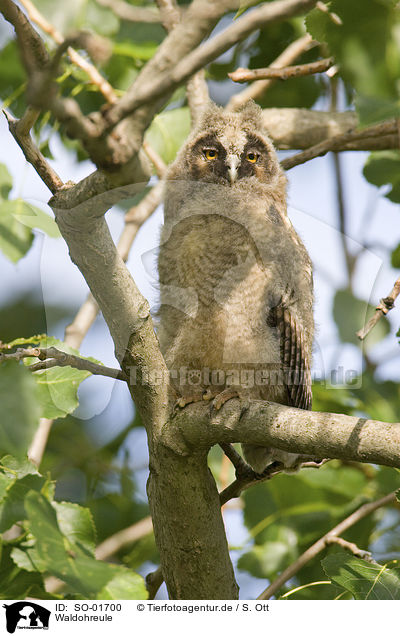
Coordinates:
[319,545]
[95,77]
[246,476]
[385,305]
[124,537]
[131,13]
[339,142]
[289,55]
[332,16]
[284,73]
[20,130]
[339,189]
[155,158]
[54,357]
[351,547]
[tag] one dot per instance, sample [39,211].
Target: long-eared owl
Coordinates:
[236,313]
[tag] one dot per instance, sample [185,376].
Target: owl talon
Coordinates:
[208,395]
[224,396]
[184,401]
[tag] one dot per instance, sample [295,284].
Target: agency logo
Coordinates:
[26,615]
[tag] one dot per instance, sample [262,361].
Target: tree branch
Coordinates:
[351,547]
[319,545]
[281,73]
[246,477]
[289,55]
[385,305]
[144,92]
[342,142]
[52,357]
[124,537]
[20,130]
[95,77]
[131,13]
[307,433]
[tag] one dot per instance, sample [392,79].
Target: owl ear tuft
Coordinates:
[210,113]
[252,113]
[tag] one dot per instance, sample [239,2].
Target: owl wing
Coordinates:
[295,361]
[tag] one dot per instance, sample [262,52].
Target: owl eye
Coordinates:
[210,154]
[252,157]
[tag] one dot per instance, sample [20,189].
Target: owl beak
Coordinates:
[232,162]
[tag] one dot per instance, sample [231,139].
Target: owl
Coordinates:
[236,290]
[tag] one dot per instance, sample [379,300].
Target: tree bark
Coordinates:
[188,526]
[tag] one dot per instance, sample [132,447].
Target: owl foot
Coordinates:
[188,399]
[224,396]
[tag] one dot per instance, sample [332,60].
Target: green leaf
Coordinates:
[13,78]
[79,14]
[16,583]
[5,181]
[383,168]
[58,390]
[395,257]
[372,109]
[168,132]
[76,523]
[26,556]
[124,585]
[18,342]
[279,549]
[15,237]
[58,386]
[366,581]
[143,51]
[17,478]
[102,20]
[68,561]
[36,218]
[20,409]
[365,45]
[351,313]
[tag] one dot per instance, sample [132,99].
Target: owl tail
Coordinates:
[260,457]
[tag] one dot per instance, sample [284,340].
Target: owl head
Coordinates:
[229,148]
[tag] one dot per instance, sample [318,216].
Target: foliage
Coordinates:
[54,538]
[92,479]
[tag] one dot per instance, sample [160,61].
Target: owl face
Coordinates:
[230,148]
[217,158]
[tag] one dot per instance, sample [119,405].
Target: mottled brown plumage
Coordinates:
[235,279]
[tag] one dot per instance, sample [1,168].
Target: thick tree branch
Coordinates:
[145,92]
[308,433]
[77,330]
[319,545]
[385,305]
[95,77]
[342,142]
[283,73]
